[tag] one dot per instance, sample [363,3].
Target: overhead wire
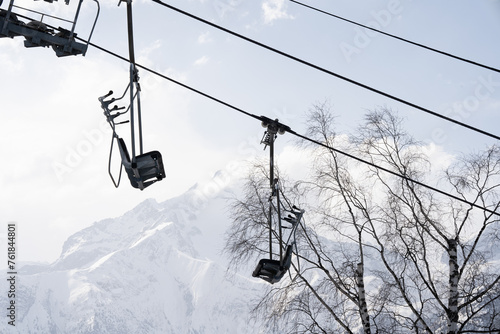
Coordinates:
[176,82]
[339,76]
[399,38]
[289,130]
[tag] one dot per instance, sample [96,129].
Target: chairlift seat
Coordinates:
[271,270]
[146,170]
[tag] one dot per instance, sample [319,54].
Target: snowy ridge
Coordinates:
[152,270]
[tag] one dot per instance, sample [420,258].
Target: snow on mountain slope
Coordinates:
[156,269]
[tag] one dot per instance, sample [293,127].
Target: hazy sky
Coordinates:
[55,143]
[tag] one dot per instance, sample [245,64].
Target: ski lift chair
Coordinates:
[269,269]
[273,271]
[142,170]
[146,170]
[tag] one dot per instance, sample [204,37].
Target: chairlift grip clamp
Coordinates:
[274,126]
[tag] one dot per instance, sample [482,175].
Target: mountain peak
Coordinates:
[155,269]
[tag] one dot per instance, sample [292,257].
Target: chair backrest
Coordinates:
[123,152]
[287,260]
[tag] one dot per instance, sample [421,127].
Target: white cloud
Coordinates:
[145,54]
[150,48]
[201,61]
[9,55]
[439,158]
[274,10]
[204,38]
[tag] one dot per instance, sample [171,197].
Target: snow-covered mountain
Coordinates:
[156,269]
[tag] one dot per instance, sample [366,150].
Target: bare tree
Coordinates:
[381,253]
[415,228]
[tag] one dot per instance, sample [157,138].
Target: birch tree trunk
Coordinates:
[452,311]
[363,308]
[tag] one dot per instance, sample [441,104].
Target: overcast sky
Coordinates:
[55,143]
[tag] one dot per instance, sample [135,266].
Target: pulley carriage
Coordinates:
[37,31]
